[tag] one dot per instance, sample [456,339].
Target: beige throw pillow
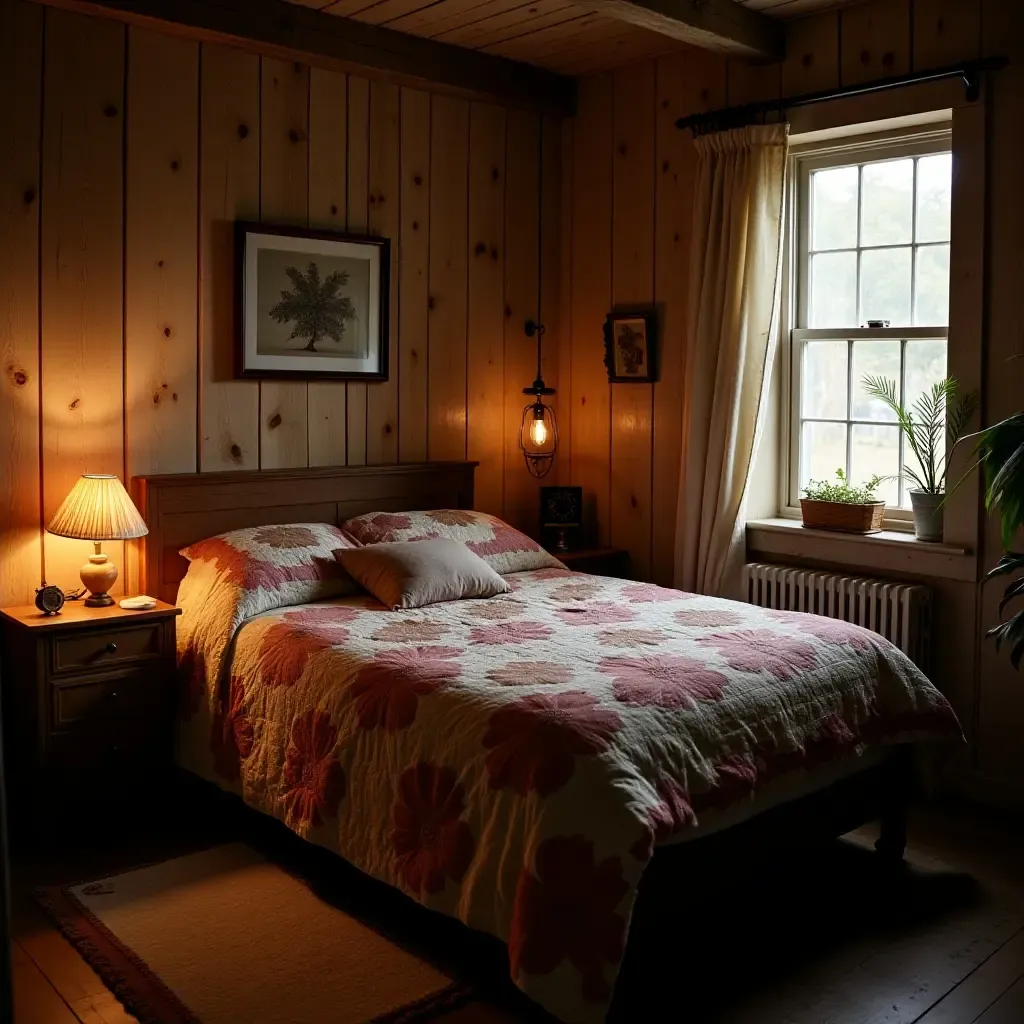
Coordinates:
[420,573]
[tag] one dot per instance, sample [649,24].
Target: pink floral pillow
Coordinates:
[236,575]
[503,548]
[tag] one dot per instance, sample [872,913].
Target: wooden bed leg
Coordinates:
[892,841]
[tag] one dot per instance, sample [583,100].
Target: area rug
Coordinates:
[224,935]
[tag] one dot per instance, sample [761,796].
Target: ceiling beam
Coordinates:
[711,24]
[286,30]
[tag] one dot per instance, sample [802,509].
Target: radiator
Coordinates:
[901,612]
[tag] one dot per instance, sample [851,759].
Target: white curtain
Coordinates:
[730,345]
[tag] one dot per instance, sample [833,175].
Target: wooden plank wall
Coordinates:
[127,157]
[626,226]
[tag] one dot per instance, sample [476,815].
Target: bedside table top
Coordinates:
[568,556]
[75,613]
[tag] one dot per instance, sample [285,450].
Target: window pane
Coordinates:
[926,364]
[934,187]
[876,451]
[834,290]
[834,209]
[822,451]
[824,383]
[931,293]
[885,286]
[887,203]
[875,359]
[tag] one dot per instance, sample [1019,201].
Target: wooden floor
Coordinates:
[825,938]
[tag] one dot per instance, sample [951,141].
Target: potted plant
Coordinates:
[940,408]
[1001,454]
[841,506]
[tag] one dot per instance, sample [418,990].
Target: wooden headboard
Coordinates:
[183,508]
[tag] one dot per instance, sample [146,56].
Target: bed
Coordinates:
[532,762]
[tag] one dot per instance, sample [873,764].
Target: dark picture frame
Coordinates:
[630,346]
[277,337]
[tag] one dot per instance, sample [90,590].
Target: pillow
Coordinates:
[503,548]
[414,575]
[236,575]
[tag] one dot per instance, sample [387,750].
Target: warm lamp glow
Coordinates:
[98,508]
[538,433]
[538,436]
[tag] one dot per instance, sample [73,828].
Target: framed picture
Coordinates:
[629,347]
[311,304]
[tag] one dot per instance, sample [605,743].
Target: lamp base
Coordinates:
[98,576]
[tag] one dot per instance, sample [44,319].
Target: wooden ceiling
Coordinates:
[572,38]
[556,34]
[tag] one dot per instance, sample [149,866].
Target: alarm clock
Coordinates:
[49,599]
[561,516]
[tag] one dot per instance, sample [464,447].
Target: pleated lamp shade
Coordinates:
[98,508]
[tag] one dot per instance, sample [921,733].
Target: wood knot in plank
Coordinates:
[632,501]
[275,421]
[508,312]
[175,165]
[243,131]
[623,149]
[110,110]
[236,453]
[294,135]
[28,197]
[415,225]
[664,166]
[75,402]
[334,210]
[430,302]
[160,264]
[494,253]
[494,174]
[387,428]
[17,376]
[167,333]
[417,179]
[481,249]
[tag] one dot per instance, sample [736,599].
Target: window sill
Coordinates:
[890,550]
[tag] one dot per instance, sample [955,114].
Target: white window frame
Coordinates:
[796,275]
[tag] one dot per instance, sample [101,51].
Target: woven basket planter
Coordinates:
[835,515]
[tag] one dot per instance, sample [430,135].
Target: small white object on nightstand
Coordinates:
[137,604]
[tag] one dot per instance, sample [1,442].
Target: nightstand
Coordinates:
[88,705]
[597,561]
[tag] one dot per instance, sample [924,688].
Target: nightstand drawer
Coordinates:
[78,759]
[109,699]
[91,650]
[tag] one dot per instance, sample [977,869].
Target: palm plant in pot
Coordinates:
[1001,454]
[932,426]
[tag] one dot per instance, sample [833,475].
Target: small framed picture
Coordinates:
[629,347]
[311,304]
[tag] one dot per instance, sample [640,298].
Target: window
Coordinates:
[869,269]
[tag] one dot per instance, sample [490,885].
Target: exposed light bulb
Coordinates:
[539,432]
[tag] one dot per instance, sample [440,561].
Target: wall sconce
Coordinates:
[538,436]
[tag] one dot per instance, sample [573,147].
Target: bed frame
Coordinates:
[182,509]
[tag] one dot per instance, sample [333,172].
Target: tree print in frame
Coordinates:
[311,304]
[629,347]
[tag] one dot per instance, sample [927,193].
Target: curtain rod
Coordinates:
[715,120]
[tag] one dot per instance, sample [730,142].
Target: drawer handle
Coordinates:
[111,648]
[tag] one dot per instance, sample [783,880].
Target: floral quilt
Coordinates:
[513,762]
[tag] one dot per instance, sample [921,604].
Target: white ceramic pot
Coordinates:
[928,515]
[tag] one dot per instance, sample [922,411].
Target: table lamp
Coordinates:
[98,508]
